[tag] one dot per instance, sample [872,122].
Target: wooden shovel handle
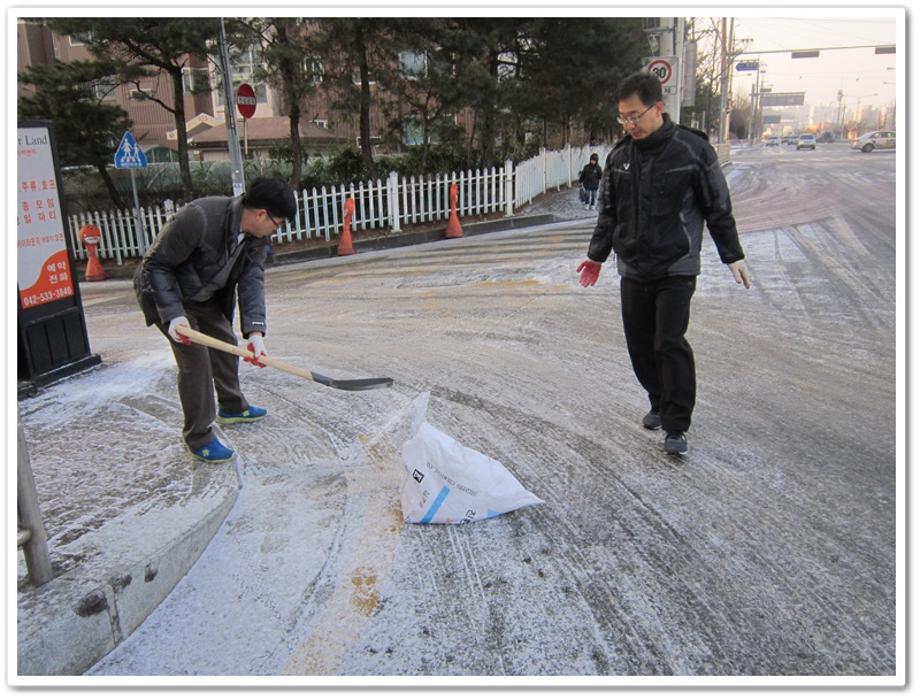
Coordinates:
[203,339]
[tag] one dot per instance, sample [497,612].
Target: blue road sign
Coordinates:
[747,65]
[128,154]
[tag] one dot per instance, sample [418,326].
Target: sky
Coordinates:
[860,73]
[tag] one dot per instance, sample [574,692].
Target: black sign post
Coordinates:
[53,341]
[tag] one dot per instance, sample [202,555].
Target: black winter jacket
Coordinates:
[656,194]
[195,258]
[590,176]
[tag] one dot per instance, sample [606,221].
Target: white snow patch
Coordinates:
[91,391]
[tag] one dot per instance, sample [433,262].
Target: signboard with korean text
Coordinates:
[44,264]
[52,338]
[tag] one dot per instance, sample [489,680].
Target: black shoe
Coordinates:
[651,420]
[675,443]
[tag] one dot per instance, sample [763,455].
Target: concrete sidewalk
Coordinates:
[127,510]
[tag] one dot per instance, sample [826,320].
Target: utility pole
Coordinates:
[233,139]
[755,103]
[728,46]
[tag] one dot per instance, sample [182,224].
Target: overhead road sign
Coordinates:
[128,154]
[747,65]
[782,99]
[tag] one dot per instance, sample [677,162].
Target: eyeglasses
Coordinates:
[274,220]
[633,119]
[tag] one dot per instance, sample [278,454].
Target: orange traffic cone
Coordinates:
[454,230]
[91,235]
[345,247]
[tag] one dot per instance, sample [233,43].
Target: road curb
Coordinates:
[385,242]
[70,623]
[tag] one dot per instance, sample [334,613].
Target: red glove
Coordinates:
[257,348]
[590,271]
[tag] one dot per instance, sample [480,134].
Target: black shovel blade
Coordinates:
[353,384]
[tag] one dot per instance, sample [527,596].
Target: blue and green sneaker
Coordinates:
[213,452]
[250,415]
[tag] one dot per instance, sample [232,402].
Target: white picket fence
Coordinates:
[392,203]
[552,169]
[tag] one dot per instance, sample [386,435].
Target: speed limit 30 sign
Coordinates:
[662,67]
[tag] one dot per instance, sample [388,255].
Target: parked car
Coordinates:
[805,141]
[772,141]
[875,139]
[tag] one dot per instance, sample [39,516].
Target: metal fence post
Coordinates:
[31,536]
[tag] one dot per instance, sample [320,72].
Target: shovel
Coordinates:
[344,384]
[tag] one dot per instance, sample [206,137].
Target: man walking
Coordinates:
[660,183]
[590,178]
[212,251]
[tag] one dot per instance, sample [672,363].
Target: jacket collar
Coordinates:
[656,140]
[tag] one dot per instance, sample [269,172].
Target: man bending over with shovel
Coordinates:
[213,248]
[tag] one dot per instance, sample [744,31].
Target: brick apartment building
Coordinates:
[321,128]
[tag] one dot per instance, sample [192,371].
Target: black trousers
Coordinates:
[202,370]
[655,318]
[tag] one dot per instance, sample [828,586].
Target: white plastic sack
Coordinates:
[446,482]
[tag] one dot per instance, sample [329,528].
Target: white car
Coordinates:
[875,139]
[806,141]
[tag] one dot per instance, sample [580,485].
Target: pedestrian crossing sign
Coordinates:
[129,154]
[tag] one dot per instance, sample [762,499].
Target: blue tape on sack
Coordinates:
[438,502]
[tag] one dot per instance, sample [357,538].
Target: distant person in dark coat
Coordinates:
[590,179]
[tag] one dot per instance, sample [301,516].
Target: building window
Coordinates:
[413,64]
[442,65]
[104,89]
[195,80]
[243,65]
[80,38]
[413,134]
[507,65]
[313,69]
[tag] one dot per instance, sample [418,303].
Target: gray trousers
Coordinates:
[202,370]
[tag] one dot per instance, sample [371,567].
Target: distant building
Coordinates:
[322,127]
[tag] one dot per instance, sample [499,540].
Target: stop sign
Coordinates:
[246,100]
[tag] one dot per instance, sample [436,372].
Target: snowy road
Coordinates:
[768,550]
